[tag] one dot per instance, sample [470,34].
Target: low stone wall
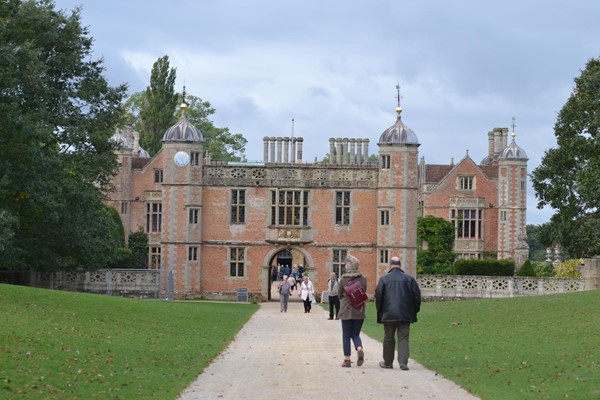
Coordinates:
[145,283]
[454,286]
[142,283]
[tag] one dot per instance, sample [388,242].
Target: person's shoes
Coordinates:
[404,367]
[347,364]
[336,318]
[329,318]
[361,358]
[382,364]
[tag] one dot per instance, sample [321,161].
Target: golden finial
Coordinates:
[513,134]
[184,105]
[398,97]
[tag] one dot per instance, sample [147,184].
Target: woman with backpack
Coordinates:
[352,317]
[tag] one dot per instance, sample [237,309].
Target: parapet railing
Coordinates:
[457,286]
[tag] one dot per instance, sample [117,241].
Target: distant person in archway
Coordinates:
[307,293]
[274,273]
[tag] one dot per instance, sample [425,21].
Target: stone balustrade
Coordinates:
[455,286]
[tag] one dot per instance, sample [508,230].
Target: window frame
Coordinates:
[195,158]
[384,217]
[158,175]
[153,217]
[466,183]
[343,207]
[237,207]
[384,256]
[289,207]
[338,261]
[193,216]
[236,262]
[192,253]
[386,161]
[155,257]
[467,222]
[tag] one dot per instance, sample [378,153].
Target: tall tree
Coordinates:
[568,177]
[158,105]
[220,143]
[57,113]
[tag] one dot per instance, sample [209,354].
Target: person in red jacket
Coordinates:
[398,300]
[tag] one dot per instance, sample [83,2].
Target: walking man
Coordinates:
[334,301]
[398,300]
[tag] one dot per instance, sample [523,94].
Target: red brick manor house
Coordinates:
[220,226]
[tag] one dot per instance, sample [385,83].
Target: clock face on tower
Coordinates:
[181,158]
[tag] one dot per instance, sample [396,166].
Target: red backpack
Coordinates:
[355,293]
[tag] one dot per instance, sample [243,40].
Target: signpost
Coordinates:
[242,295]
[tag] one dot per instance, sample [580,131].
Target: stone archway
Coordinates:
[270,260]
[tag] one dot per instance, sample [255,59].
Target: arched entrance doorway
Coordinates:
[285,261]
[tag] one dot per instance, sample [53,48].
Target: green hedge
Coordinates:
[485,267]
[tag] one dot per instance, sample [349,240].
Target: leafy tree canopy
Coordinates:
[151,115]
[220,143]
[158,105]
[57,113]
[568,178]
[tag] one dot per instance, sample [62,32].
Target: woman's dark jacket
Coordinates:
[397,297]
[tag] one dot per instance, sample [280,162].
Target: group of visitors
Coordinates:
[279,271]
[286,287]
[397,301]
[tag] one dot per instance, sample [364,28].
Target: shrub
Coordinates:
[138,244]
[484,267]
[569,269]
[526,269]
[543,269]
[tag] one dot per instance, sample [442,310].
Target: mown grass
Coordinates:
[543,347]
[62,345]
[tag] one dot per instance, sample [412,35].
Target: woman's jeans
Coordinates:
[351,331]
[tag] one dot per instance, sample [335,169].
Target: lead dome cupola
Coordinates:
[120,139]
[183,130]
[398,133]
[513,151]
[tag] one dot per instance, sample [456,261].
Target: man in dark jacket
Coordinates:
[398,300]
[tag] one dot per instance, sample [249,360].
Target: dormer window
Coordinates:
[466,182]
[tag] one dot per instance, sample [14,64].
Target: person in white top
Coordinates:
[307,293]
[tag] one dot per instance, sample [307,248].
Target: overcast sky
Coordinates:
[464,67]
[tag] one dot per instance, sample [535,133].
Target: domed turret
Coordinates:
[183,130]
[120,139]
[513,151]
[398,133]
[143,153]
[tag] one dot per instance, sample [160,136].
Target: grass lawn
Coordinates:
[543,347]
[59,345]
